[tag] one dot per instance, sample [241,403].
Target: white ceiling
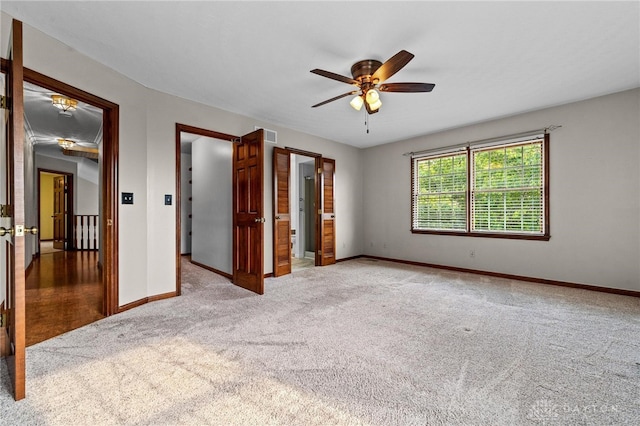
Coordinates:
[45,123]
[487,59]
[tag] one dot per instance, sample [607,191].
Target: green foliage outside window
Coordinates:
[441,196]
[506,190]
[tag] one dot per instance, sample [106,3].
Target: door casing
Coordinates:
[70,202]
[324,217]
[180,128]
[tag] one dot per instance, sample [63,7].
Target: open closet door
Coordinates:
[281,212]
[248,217]
[327,212]
[12,225]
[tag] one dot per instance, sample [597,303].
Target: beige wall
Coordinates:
[594,183]
[594,198]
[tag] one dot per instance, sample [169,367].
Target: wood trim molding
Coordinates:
[4,338]
[513,277]
[345,259]
[132,305]
[209,268]
[162,296]
[146,300]
[302,152]
[204,132]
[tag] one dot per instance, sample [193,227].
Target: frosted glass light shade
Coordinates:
[374,106]
[357,102]
[372,97]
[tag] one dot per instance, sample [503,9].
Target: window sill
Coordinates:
[545,237]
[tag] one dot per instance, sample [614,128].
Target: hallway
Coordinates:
[63,292]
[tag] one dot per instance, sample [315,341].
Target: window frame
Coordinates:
[544,236]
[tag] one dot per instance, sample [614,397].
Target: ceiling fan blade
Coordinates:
[336,98]
[392,66]
[335,76]
[406,87]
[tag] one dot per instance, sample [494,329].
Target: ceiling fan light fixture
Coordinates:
[372,97]
[375,105]
[66,143]
[357,102]
[63,103]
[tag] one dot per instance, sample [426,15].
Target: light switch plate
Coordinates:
[127,198]
[167,199]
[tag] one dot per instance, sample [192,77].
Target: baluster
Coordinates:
[95,225]
[82,230]
[75,230]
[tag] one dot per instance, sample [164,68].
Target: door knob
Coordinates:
[277,217]
[259,220]
[33,230]
[4,231]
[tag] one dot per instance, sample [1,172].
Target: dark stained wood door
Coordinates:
[281,212]
[59,212]
[248,215]
[327,212]
[13,251]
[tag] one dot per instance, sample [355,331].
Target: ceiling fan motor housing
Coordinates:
[362,69]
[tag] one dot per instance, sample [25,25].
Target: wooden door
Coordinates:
[281,212]
[327,212]
[59,212]
[248,216]
[12,240]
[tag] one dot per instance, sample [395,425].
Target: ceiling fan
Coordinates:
[369,76]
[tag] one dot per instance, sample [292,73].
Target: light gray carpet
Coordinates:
[358,343]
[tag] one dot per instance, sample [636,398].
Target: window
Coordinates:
[494,191]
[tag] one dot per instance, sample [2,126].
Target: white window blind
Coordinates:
[507,188]
[440,192]
[495,187]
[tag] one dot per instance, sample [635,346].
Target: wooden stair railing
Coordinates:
[85,232]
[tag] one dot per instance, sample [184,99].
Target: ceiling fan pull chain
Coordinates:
[366,120]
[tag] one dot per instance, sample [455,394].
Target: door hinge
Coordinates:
[319,171]
[5,210]
[320,252]
[4,102]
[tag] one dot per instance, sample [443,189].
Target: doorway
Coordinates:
[63,285]
[303,201]
[247,193]
[304,210]
[18,158]
[55,211]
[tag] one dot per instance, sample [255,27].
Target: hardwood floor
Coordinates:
[63,292]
